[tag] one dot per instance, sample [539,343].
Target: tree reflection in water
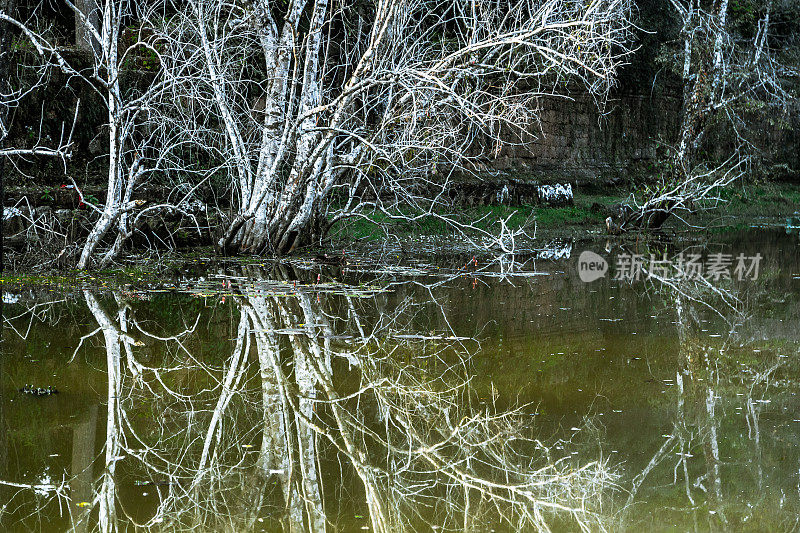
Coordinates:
[709,369]
[324,408]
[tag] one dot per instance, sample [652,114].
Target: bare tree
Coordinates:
[133,149]
[316,112]
[319,111]
[727,80]
[124,160]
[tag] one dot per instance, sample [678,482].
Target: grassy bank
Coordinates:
[741,206]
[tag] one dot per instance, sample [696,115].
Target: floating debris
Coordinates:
[38,391]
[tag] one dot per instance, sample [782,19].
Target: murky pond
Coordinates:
[451,394]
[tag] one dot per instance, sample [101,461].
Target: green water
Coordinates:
[437,394]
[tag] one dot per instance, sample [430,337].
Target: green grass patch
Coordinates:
[574,215]
[374,226]
[761,199]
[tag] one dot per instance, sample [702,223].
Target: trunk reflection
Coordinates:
[321,407]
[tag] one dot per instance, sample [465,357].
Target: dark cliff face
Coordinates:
[580,141]
[631,134]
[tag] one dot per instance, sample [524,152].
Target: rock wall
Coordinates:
[574,140]
[578,141]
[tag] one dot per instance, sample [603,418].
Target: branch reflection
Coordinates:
[716,377]
[323,411]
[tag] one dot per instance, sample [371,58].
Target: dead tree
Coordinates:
[134,152]
[725,78]
[319,111]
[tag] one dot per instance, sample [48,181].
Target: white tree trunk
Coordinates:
[107,60]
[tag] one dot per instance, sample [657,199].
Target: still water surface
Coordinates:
[442,394]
